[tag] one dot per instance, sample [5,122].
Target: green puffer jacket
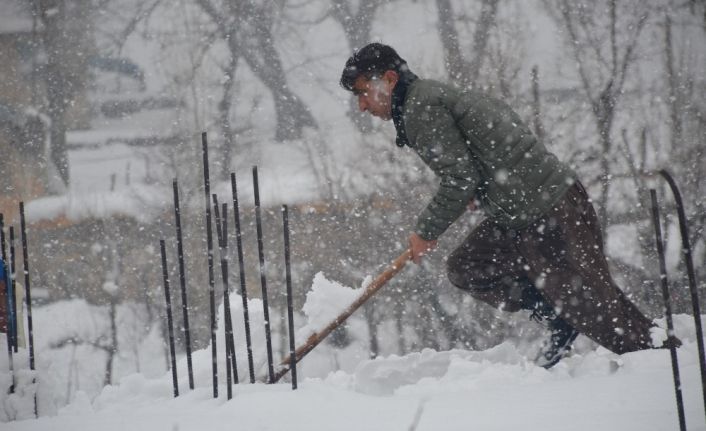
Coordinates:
[479,148]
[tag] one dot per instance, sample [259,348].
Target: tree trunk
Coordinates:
[113,349]
[456,65]
[224,112]
[604,110]
[67,41]
[673,82]
[536,106]
[58,87]
[399,307]
[357,27]
[292,115]
[369,310]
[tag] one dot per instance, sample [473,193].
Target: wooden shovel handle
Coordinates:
[369,291]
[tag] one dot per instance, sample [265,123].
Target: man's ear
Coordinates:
[391,76]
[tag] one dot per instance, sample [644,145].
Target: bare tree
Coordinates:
[464,69]
[247,29]
[639,60]
[683,68]
[602,37]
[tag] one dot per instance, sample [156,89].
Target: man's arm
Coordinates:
[442,147]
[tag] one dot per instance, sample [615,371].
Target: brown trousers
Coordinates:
[562,255]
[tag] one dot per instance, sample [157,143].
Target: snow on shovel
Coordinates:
[369,291]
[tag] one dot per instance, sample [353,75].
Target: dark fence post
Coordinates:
[241,265]
[182,283]
[170,325]
[211,281]
[686,250]
[290,308]
[668,311]
[263,281]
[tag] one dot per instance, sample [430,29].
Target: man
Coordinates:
[540,247]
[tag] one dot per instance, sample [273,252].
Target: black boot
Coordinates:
[562,334]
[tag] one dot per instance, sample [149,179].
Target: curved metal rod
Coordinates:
[686,250]
[668,310]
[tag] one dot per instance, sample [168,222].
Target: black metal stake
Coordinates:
[263,281]
[243,290]
[28,293]
[290,308]
[668,310]
[211,281]
[231,366]
[182,283]
[226,296]
[8,306]
[224,271]
[686,250]
[13,288]
[170,325]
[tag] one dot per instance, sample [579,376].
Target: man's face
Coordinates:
[375,94]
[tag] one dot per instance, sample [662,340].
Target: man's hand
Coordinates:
[420,247]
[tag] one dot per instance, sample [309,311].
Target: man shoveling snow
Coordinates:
[540,247]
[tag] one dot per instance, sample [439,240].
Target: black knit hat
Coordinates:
[371,60]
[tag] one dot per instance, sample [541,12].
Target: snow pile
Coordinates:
[324,302]
[386,376]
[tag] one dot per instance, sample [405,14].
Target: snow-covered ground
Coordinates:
[496,389]
[458,390]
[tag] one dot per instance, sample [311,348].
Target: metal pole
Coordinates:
[170,325]
[211,281]
[8,306]
[13,288]
[668,310]
[226,295]
[263,281]
[290,308]
[182,283]
[241,265]
[28,293]
[230,346]
[686,250]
